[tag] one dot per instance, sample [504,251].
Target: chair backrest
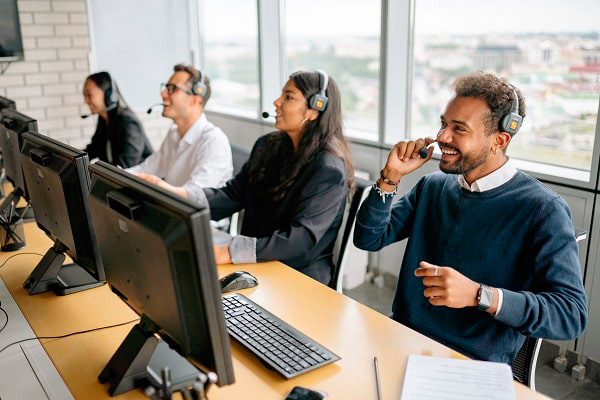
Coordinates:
[524,364]
[240,154]
[580,234]
[346,231]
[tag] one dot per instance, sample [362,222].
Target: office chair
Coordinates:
[524,365]
[346,231]
[240,154]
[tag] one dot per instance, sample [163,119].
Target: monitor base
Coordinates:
[140,360]
[51,274]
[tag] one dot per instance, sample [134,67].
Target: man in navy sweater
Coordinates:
[491,254]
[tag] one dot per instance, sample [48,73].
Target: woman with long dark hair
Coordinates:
[119,138]
[294,186]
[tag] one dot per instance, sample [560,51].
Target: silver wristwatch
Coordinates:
[485,296]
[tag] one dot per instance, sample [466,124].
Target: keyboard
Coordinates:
[277,344]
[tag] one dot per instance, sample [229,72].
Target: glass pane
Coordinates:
[231,51]
[341,38]
[554,60]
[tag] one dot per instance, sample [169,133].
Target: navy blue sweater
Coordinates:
[518,237]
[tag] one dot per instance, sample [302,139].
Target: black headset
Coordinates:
[512,121]
[111,97]
[318,101]
[199,88]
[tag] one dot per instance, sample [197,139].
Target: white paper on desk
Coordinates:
[452,379]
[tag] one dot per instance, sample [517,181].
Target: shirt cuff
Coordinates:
[243,250]
[196,194]
[500,299]
[221,238]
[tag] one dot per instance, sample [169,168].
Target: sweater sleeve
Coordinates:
[555,306]
[379,224]
[318,205]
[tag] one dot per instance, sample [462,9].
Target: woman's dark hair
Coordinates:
[103,81]
[274,170]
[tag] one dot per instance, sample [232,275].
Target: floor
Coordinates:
[559,386]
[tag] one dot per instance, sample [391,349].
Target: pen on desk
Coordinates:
[377,379]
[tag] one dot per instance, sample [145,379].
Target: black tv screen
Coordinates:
[11,44]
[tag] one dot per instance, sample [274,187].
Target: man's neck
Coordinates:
[491,165]
[185,123]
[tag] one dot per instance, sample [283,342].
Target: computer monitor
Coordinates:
[7,103]
[158,257]
[4,103]
[58,181]
[12,125]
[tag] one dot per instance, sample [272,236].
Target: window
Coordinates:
[554,61]
[230,33]
[341,38]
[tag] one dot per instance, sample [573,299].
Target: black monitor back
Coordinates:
[7,103]
[58,182]
[158,256]
[12,125]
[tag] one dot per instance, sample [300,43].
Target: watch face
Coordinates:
[485,297]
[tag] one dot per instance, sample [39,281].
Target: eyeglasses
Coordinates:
[171,87]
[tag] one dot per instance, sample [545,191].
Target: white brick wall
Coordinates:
[48,84]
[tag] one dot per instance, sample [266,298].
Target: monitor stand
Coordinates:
[140,360]
[51,274]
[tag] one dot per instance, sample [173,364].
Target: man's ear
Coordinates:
[196,101]
[502,140]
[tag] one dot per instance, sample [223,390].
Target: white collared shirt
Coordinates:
[201,158]
[497,178]
[492,180]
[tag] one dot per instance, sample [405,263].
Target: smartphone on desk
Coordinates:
[300,393]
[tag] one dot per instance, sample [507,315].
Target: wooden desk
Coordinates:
[351,330]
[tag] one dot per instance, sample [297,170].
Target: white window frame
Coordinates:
[396,59]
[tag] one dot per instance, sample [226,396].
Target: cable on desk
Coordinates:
[18,254]
[68,334]
[6,323]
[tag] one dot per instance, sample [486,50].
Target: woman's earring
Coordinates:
[494,151]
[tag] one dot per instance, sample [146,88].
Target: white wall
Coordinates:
[48,84]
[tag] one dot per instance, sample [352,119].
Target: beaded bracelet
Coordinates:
[382,193]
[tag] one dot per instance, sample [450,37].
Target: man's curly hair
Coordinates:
[495,91]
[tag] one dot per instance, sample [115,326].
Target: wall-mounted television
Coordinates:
[11,44]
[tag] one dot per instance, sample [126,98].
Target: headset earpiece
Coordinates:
[199,88]
[512,121]
[111,98]
[319,100]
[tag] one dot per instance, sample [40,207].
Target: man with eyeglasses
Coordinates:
[195,153]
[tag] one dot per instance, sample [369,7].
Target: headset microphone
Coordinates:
[266,114]
[84,116]
[149,110]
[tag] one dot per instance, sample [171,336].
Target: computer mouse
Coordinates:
[237,280]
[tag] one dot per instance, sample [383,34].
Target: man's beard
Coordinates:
[465,163]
